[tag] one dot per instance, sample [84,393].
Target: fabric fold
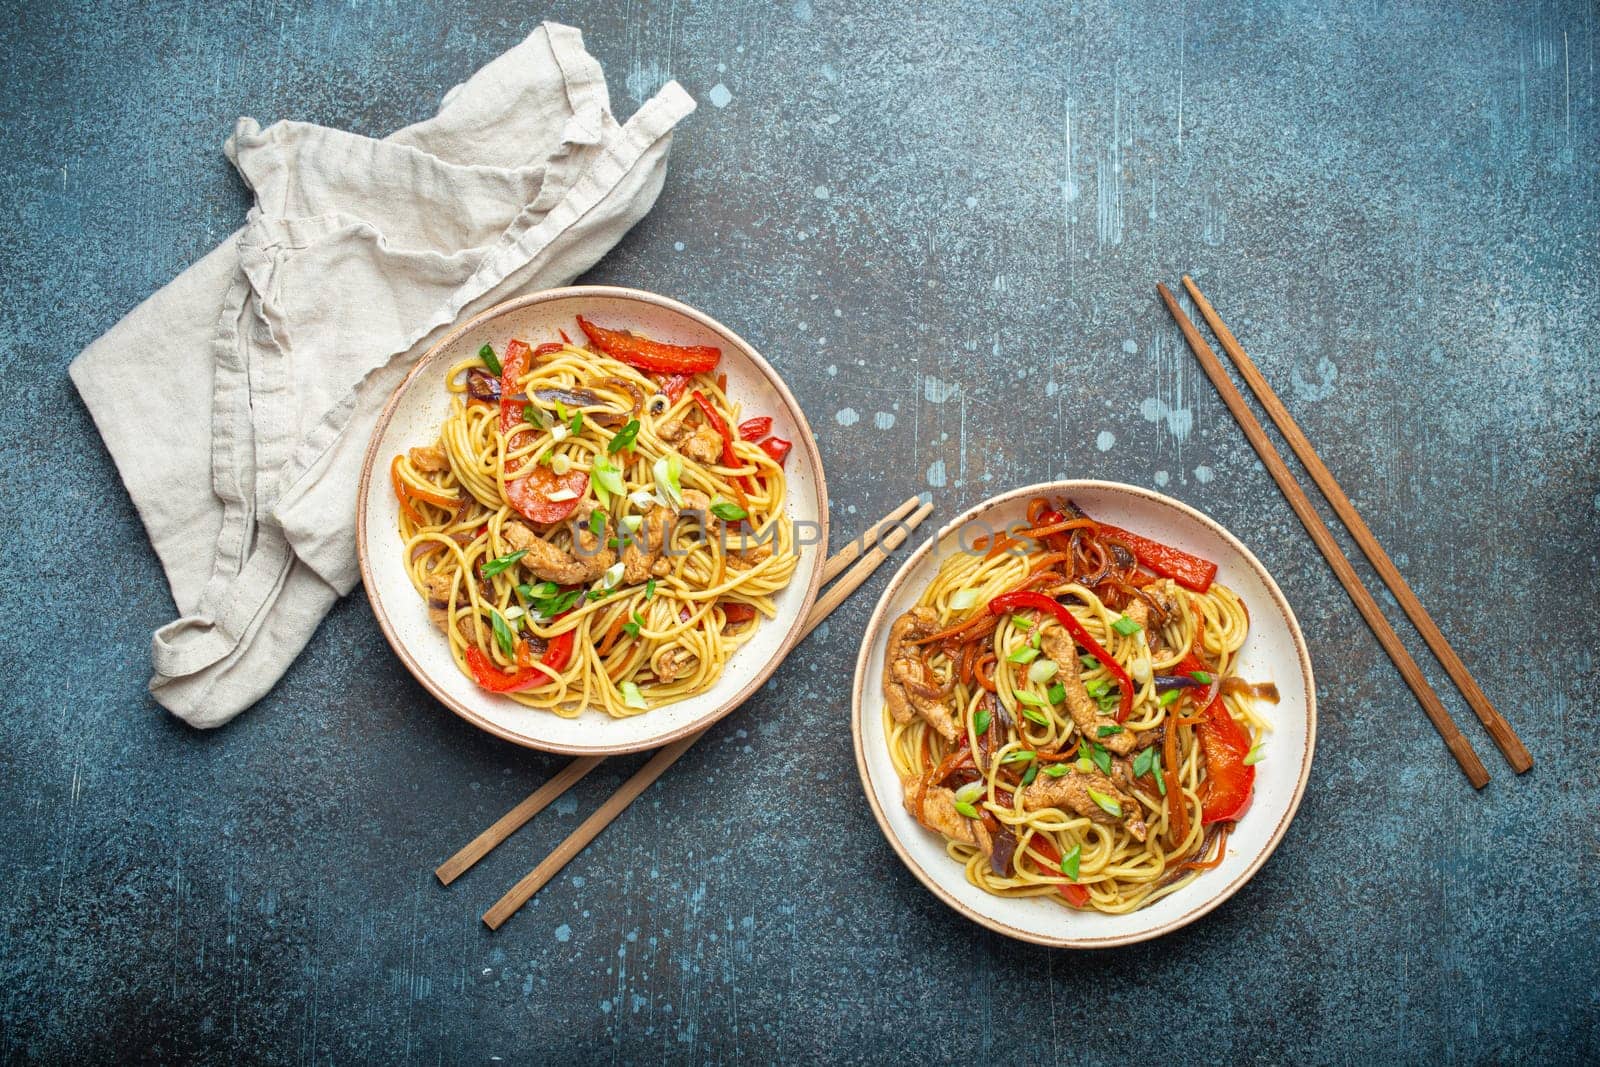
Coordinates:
[283,344]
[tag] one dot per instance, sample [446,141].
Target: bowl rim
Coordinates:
[875,631]
[808,441]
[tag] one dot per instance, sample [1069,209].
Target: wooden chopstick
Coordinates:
[630,790]
[1505,738]
[1454,740]
[572,773]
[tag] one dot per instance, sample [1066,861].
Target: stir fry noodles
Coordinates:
[593,525]
[1063,706]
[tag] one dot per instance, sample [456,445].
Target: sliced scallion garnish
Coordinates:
[1035,715]
[490,360]
[624,438]
[1255,756]
[962,599]
[1023,655]
[502,633]
[1042,670]
[495,566]
[1110,805]
[981,721]
[631,695]
[1069,862]
[1126,626]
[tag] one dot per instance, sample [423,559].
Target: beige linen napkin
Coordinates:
[238,400]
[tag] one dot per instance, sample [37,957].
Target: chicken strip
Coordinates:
[938,813]
[553,564]
[1070,793]
[1083,709]
[905,680]
[642,552]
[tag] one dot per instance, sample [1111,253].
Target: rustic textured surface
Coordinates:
[943,226]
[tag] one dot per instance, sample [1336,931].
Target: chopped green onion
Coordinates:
[633,625]
[966,809]
[1107,703]
[558,432]
[624,437]
[606,477]
[1029,775]
[490,360]
[981,721]
[1255,756]
[1023,655]
[1084,766]
[561,411]
[1056,770]
[1142,762]
[1089,662]
[612,576]
[631,696]
[1168,698]
[1098,755]
[1097,688]
[531,414]
[728,511]
[1024,697]
[1155,769]
[962,599]
[561,464]
[502,632]
[1042,670]
[1036,639]
[971,791]
[1069,862]
[1203,677]
[1109,804]
[576,425]
[1035,715]
[631,523]
[1126,626]
[1057,693]
[1021,755]
[1107,731]
[650,589]
[667,471]
[495,566]
[597,522]
[1021,622]
[538,592]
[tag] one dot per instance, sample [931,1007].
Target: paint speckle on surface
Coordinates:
[846,417]
[833,370]
[1178,420]
[1319,388]
[563,932]
[1105,441]
[1130,347]
[1204,474]
[883,420]
[937,391]
[677,246]
[719,95]
[1162,477]
[820,192]
[936,475]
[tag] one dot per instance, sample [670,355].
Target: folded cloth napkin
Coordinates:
[237,402]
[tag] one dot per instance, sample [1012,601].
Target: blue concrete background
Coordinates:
[943,224]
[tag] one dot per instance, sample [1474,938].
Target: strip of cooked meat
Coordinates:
[430,459]
[1086,714]
[1070,792]
[938,813]
[903,673]
[553,564]
[641,552]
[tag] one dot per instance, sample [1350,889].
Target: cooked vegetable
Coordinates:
[650,355]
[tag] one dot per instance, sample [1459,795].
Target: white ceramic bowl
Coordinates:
[1275,649]
[412,417]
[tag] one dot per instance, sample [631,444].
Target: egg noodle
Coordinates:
[576,539]
[1049,772]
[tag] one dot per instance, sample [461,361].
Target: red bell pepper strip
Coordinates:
[1225,794]
[549,348]
[755,429]
[1028,598]
[558,653]
[1076,894]
[492,678]
[530,495]
[651,355]
[513,365]
[736,612]
[1189,571]
[674,385]
[777,448]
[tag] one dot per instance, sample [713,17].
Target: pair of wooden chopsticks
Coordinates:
[866,552]
[1505,738]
